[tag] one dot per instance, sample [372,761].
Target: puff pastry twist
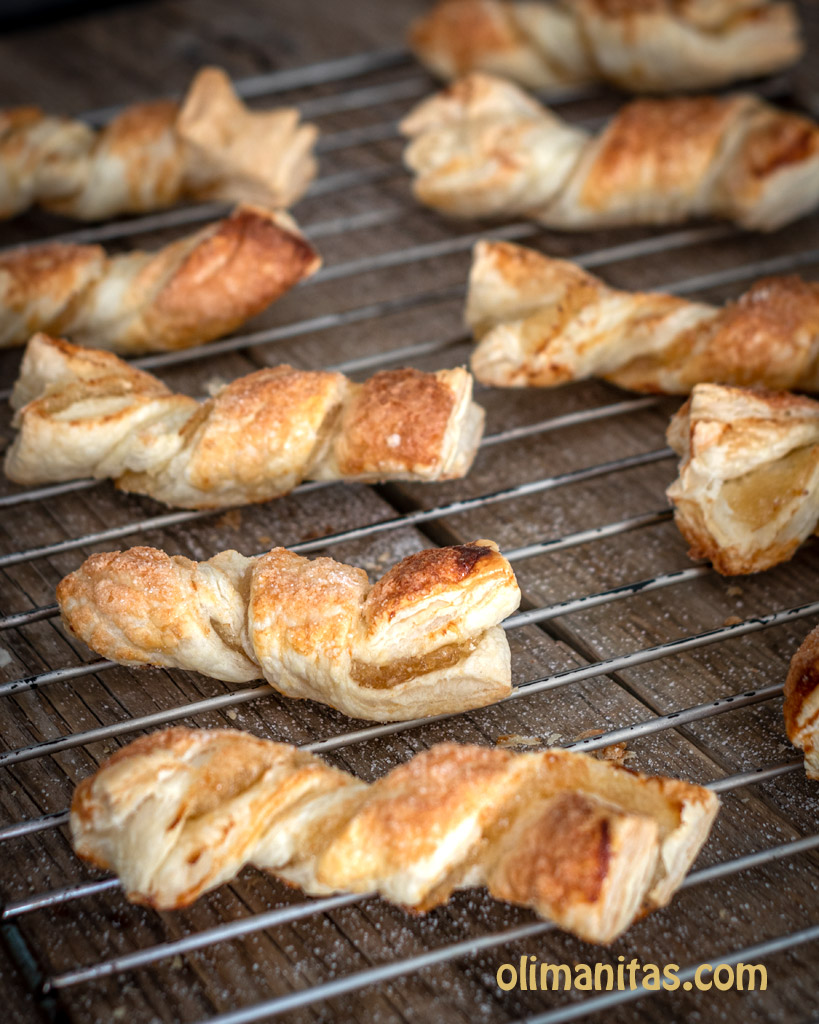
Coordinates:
[422,641]
[542,322]
[191,291]
[483,147]
[747,493]
[82,412]
[802,702]
[582,842]
[155,154]
[652,46]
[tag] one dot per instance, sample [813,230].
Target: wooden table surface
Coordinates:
[151,49]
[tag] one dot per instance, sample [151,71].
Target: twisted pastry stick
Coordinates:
[189,292]
[747,493]
[82,412]
[483,147]
[653,46]
[423,641]
[802,702]
[155,154]
[541,322]
[582,842]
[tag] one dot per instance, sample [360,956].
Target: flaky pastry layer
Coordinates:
[424,640]
[152,155]
[747,494]
[583,842]
[191,291]
[541,322]
[483,148]
[801,708]
[651,46]
[82,412]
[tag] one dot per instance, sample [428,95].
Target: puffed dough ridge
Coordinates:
[82,412]
[483,148]
[424,640]
[653,46]
[541,322]
[747,493]
[582,842]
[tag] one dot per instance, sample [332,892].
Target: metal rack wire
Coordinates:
[359,98]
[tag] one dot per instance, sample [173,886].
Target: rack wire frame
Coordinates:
[356,98]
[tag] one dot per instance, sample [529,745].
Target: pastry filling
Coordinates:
[384,677]
[755,496]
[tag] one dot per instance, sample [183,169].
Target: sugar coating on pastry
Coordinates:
[582,842]
[424,640]
[482,148]
[541,322]
[747,493]
[152,155]
[81,413]
[189,292]
[801,708]
[653,46]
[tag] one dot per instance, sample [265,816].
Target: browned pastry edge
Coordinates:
[456,37]
[232,275]
[802,688]
[587,844]
[191,291]
[728,559]
[462,30]
[673,141]
[393,409]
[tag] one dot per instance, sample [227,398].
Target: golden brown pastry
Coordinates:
[650,46]
[209,146]
[584,843]
[747,493]
[541,322]
[191,291]
[423,641]
[802,702]
[482,147]
[82,412]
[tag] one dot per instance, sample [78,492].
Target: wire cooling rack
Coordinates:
[362,87]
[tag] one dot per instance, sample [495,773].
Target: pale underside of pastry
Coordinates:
[802,702]
[82,412]
[152,155]
[191,291]
[747,494]
[540,322]
[582,842]
[653,46]
[483,148]
[424,640]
